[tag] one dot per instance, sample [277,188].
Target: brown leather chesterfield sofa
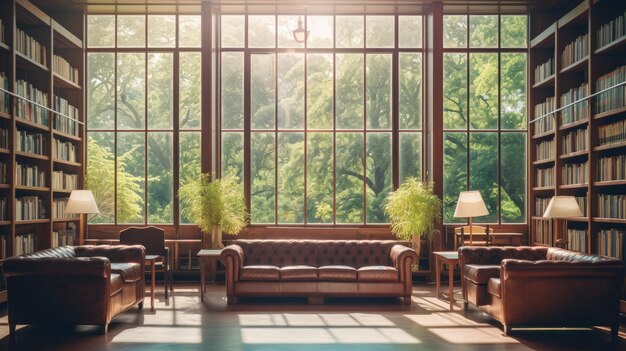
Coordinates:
[74,285]
[318,269]
[542,287]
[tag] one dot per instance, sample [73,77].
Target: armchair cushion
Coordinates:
[337,273]
[259,272]
[493,287]
[480,274]
[130,272]
[116,283]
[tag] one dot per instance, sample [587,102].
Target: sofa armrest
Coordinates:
[232,257]
[95,267]
[402,258]
[115,253]
[512,268]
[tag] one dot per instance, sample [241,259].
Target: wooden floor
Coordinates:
[182,323]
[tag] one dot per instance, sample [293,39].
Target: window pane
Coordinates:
[100,91]
[483,91]
[320,178]
[161,31]
[100,177]
[101,31]
[513,177]
[455,91]
[160,90]
[410,28]
[290,177]
[513,31]
[513,91]
[454,173]
[484,172]
[291,91]
[131,70]
[232,90]
[410,91]
[320,91]
[233,31]
[262,178]
[349,31]
[349,95]
[320,31]
[160,178]
[189,164]
[483,31]
[378,91]
[378,175]
[232,155]
[410,155]
[261,31]
[349,174]
[380,31]
[131,31]
[190,89]
[189,31]
[130,177]
[455,31]
[286,25]
[262,99]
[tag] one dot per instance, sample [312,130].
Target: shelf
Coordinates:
[66,136]
[610,183]
[543,135]
[5,115]
[5,151]
[62,191]
[29,155]
[543,188]
[610,113]
[4,46]
[541,244]
[577,66]
[5,186]
[65,38]
[62,82]
[63,220]
[31,188]
[574,154]
[609,220]
[68,163]
[547,82]
[610,146]
[572,125]
[32,221]
[540,218]
[573,186]
[577,219]
[615,45]
[544,38]
[5,222]
[30,61]
[24,122]
[543,162]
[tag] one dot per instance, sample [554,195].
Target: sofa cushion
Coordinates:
[116,283]
[338,273]
[259,272]
[130,272]
[493,287]
[299,272]
[377,274]
[480,274]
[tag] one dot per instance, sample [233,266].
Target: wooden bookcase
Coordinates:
[22,119]
[551,33]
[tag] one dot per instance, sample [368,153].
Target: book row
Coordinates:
[544,177]
[28,46]
[578,111]
[612,206]
[4,98]
[574,141]
[543,232]
[574,173]
[611,242]
[612,133]
[582,204]
[544,70]
[541,204]
[62,123]
[62,180]
[3,209]
[24,244]
[63,68]
[611,168]
[575,51]
[4,247]
[545,124]
[577,239]
[611,31]
[29,208]
[64,150]
[29,175]
[4,138]
[30,142]
[63,237]
[2,39]
[27,110]
[614,98]
[3,173]
[58,208]
[545,150]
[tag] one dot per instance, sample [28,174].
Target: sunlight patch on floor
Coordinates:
[487,335]
[327,336]
[442,319]
[315,320]
[172,317]
[158,335]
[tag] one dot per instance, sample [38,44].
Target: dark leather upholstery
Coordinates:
[74,285]
[542,287]
[318,268]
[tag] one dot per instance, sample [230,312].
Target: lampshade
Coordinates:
[300,35]
[563,207]
[470,204]
[81,201]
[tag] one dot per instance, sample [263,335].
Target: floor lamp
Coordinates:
[81,202]
[469,205]
[562,207]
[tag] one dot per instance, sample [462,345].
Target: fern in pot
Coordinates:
[414,211]
[216,206]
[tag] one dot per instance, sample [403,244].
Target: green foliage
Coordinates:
[215,202]
[414,210]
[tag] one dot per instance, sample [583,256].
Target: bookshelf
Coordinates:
[587,42]
[41,153]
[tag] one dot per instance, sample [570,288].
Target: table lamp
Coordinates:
[81,202]
[470,204]
[561,207]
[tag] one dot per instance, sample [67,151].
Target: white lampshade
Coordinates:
[563,207]
[81,201]
[470,204]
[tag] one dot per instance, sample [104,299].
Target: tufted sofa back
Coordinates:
[57,252]
[494,255]
[557,254]
[280,253]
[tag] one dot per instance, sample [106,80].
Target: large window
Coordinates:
[484,113]
[319,132]
[143,103]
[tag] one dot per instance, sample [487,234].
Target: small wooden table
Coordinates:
[210,257]
[451,258]
[151,260]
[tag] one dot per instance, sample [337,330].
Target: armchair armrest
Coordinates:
[115,253]
[59,267]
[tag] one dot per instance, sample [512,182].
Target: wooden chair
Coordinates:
[153,239]
[480,235]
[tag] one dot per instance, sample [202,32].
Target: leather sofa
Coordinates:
[74,285]
[318,268]
[542,287]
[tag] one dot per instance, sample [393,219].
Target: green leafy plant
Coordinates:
[414,211]
[216,206]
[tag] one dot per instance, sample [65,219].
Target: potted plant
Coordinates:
[414,211]
[216,206]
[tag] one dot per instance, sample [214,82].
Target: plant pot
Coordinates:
[416,243]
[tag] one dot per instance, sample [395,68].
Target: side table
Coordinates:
[207,257]
[451,258]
